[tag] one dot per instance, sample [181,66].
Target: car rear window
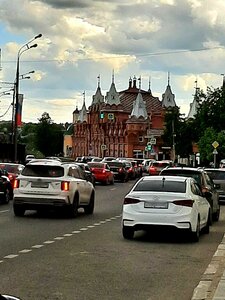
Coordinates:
[96,165]
[161,186]
[185,173]
[43,171]
[216,175]
[116,164]
[160,165]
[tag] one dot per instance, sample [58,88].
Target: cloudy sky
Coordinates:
[82,39]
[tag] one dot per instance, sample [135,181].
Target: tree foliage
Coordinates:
[49,136]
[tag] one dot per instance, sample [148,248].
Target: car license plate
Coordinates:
[159,205]
[39,184]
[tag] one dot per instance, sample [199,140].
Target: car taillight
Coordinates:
[16,183]
[130,170]
[10,176]
[188,202]
[131,201]
[65,185]
[120,170]
[104,171]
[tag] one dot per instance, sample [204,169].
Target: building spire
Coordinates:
[98,80]
[168,78]
[139,79]
[113,76]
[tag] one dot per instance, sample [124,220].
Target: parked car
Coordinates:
[46,184]
[102,172]
[13,170]
[165,202]
[218,177]
[155,167]
[205,182]
[98,159]
[119,170]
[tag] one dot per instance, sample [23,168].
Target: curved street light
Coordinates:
[22,49]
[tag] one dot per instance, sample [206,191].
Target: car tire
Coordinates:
[89,209]
[216,215]
[206,228]
[18,210]
[7,197]
[128,232]
[195,234]
[74,207]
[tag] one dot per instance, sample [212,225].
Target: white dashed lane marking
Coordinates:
[58,238]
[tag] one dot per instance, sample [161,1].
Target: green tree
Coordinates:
[49,136]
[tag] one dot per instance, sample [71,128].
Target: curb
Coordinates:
[212,283]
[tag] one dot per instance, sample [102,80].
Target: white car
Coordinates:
[47,184]
[166,201]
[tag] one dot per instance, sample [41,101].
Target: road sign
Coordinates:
[103,147]
[153,141]
[215,144]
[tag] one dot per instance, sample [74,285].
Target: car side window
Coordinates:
[195,189]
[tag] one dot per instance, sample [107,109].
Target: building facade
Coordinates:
[128,123]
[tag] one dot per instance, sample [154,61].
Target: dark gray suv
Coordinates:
[205,182]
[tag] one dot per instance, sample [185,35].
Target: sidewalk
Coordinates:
[212,284]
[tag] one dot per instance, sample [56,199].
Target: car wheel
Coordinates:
[206,228]
[107,182]
[89,209]
[7,196]
[18,210]
[74,208]
[195,234]
[128,232]
[216,215]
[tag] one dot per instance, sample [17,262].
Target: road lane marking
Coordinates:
[11,256]
[48,242]
[3,211]
[25,251]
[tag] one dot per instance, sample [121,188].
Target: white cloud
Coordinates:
[82,39]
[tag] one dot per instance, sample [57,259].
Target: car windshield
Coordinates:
[43,171]
[161,186]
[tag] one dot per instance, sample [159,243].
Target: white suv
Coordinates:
[46,184]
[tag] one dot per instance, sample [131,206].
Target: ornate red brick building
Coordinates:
[121,124]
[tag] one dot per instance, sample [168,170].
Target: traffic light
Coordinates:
[149,147]
[101,115]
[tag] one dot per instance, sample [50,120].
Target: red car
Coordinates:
[13,170]
[155,167]
[101,172]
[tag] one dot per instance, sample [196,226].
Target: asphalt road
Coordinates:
[53,257]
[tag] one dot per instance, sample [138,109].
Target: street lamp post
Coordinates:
[22,49]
